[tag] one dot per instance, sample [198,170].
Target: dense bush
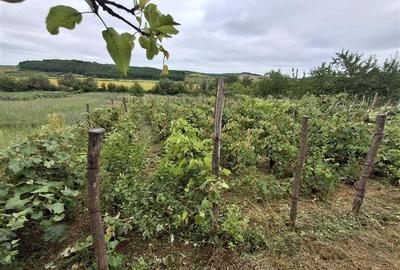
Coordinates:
[168,87]
[10,84]
[40,181]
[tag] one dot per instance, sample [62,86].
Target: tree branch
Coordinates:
[103,4]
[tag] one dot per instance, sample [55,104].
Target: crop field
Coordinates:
[159,195]
[21,113]
[146,84]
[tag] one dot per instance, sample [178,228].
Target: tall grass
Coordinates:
[18,119]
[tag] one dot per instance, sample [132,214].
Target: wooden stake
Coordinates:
[375,101]
[299,170]
[124,102]
[96,223]
[112,103]
[88,114]
[216,154]
[366,171]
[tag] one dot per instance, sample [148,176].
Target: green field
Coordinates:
[20,118]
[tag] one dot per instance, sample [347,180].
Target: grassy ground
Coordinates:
[18,119]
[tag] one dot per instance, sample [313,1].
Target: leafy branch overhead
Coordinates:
[151,25]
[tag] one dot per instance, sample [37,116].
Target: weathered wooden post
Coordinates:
[124,103]
[88,114]
[96,223]
[216,154]
[375,101]
[112,102]
[369,160]
[299,170]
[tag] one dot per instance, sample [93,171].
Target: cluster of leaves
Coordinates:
[80,254]
[152,25]
[39,186]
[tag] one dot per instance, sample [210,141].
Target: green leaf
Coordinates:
[59,217]
[62,16]
[70,193]
[115,261]
[43,189]
[54,233]
[120,48]
[37,215]
[15,166]
[58,208]
[16,202]
[167,29]
[49,164]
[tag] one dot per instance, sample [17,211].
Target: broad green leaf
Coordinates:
[29,150]
[57,218]
[62,16]
[144,42]
[115,261]
[70,193]
[43,189]
[49,164]
[16,202]
[15,166]
[167,29]
[58,208]
[37,215]
[54,233]
[120,48]
[152,14]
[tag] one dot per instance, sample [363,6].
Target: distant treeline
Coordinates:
[92,69]
[347,72]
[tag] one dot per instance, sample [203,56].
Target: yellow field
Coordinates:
[4,69]
[146,84]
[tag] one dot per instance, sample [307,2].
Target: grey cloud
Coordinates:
[220,35]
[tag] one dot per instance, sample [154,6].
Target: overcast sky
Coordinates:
[218,35]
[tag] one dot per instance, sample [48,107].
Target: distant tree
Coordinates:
[275,84]
[136,89]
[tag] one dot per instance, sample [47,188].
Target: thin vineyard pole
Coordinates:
[96,223]
[216,154]
[375,101]
[299,170]
[124,103]
[88,114]
[366,171]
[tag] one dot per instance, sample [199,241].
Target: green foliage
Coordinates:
[168,87]
[40,183]
[120,48]
[32,83]
[62,16]
[98,70]
[158,27]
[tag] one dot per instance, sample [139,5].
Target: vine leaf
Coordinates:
[120,48]
[62,16]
